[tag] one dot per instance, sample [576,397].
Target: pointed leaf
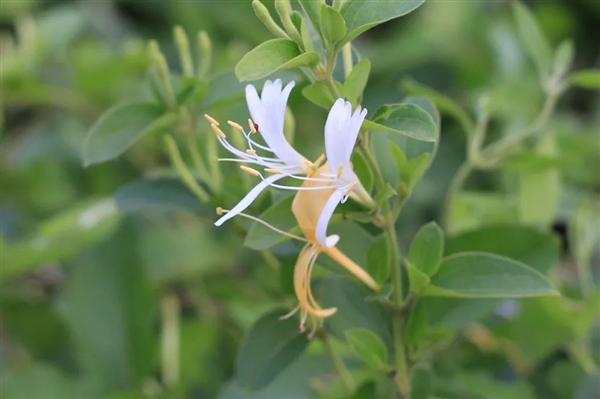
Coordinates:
[368,346]
[407,119]
[271,56]
[482,275]
[357,81]
[533,39]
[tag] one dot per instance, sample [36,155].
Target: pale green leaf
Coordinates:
[368,347]
[587,78]
[407,119]
[357,81]
[333,28]
[533,39]
[427,248]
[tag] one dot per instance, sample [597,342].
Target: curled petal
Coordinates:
[326,213]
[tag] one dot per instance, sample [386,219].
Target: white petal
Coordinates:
[247,200]
[334,135]
[321,230]
[269,113]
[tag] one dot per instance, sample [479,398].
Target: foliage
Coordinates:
[480,157]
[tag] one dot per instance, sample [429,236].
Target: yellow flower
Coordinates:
[313,210]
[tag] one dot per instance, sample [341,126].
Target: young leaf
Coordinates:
[319,94]
[362,15]
[368,346]
[427,248]
[269,348]
[333,28]
[272,56]
[587,78]
[378,263]
[409,171]
[362,170]
[418,280]
[563,58]
[165,193]
[119,127]
[357,80]
[311,9]
[533,39]
[407,119]
[482,275]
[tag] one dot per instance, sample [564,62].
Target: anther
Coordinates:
[252,126]
[220,211]
[235,126]
[320,160]
[218,131]
[340,170]
[275,171]
[250,170]
[250,152]
[349,189]
[211,119]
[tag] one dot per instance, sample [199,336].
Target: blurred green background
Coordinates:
[90,289]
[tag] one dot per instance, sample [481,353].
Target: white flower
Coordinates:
[281,160]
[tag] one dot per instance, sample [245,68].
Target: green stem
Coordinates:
[347,57]
[170,340]
[458,181]
[338,364]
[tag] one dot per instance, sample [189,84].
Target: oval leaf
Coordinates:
[481,275]
[427,248]
[533,39]
[362,15]
[368,346]
[271,56]
[407,119]
[119,127]
[269,348]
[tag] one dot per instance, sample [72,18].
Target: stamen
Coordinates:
[320,160]
[250,170]
[251,152]
[235,125]
[254,218]
[340,170]
[309,164]
[212,120]
[218,131]
[349,189]
[290,314]
[252,125]
[275,171]
[220,211]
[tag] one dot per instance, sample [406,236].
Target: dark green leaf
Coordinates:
[378,263]
[366,391]
[481,275]
[536,249]
[587,78]
[279,215]
[533,39]
[362,15]
[109,309]
[268,349]
[38,381]
[368,347]
[271,56]
[362,170]
[164,193]
[421,384]
[357,81]
[119,127]
[407,119]
[427,248]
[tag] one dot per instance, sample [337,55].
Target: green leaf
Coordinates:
[109,308]
[533,39]
[362,170]
[268,349]
[427,248]
[481,275]
[355,310]
[192,89]
[368,347]
[473,209]
[319,94]
[362,15]
[445,104]
[357,81]
[38,381]
[333,28]
[272,56]
[378,259]
[120,126]
[587,78]
[367,390]
[418,280]
[407,119]
[60,237]
[279,215]
[537,249]
[563,58]
[164,193]
[421,383]
[311,9]
[409,171]
[385,194]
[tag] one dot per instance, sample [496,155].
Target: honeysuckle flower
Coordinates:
[279,159]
